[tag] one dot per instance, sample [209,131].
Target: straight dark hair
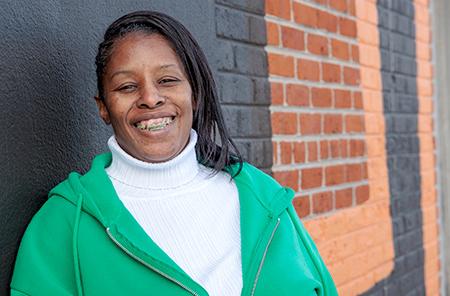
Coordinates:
[207,118]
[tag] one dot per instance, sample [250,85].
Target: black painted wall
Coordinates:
[399,68]
[48,120]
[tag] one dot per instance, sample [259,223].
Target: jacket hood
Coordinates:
[100,200]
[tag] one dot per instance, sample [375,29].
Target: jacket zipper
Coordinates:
[264,257]
[148,265]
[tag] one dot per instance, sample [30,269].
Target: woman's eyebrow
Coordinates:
[167,66]
[123,72]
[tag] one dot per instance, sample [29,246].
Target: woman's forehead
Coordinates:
[137,50]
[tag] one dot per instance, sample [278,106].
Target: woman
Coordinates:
[168,211]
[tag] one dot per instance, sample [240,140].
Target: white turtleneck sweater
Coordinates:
[190,215]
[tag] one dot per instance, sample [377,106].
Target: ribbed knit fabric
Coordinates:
[190,215]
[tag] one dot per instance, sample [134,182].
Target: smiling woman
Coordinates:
[147,97]
[167,211]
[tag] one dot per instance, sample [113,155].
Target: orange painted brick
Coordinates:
[357,148]
[327,21]
[331,73]
[287,178]
[311,178]
[362,194]
[299,152]
[347,27]
[310,124]
[333,123]
[284,123]
[305,15]
[322,202]
[281,65]
[308,70]
[370,56]
[302,206]
[335,148]
[344,147]
[340,49]
[355,53]
[342,98]
[357,100]
[292,38]
[424,70]
[351,7]
[368,33]
[423,33]
[335,175]
[354,123]
[273,36]
[286,152]
[340,5]
[280,8]
[421,14]
[297,95]
[354,172]
[367,12]
[351,76]
[276,93]
[317,44]
[312,151]
[343,198]
[321,97]
[423,51]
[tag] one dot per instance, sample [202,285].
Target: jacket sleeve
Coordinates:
[329,288]
[44,264]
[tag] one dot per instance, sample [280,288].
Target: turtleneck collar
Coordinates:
[174,173]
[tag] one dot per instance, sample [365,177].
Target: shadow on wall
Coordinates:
[49,123]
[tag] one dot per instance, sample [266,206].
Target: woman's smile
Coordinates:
[155,124]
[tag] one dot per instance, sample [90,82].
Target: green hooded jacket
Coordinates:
[83,241]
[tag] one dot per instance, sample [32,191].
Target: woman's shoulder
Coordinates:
[53,218]
[264,187]
[254,176]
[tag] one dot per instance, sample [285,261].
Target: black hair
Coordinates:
[208,120]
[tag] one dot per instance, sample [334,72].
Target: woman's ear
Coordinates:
[102,110]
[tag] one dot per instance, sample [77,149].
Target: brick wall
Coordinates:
[351,89]
[242,77]
[317,117]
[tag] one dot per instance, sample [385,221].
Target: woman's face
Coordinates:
[148,99]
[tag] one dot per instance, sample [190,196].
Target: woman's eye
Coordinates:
[168,80]
[127,88]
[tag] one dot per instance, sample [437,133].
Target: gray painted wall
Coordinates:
[48,120]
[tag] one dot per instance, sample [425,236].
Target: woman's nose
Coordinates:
[150,97]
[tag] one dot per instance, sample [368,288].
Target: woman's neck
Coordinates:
[174,173]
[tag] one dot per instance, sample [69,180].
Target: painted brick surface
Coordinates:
[242,77]
[351,89]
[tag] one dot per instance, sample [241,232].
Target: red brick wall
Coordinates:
[329,134]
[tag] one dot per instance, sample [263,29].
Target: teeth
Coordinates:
[154,124]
